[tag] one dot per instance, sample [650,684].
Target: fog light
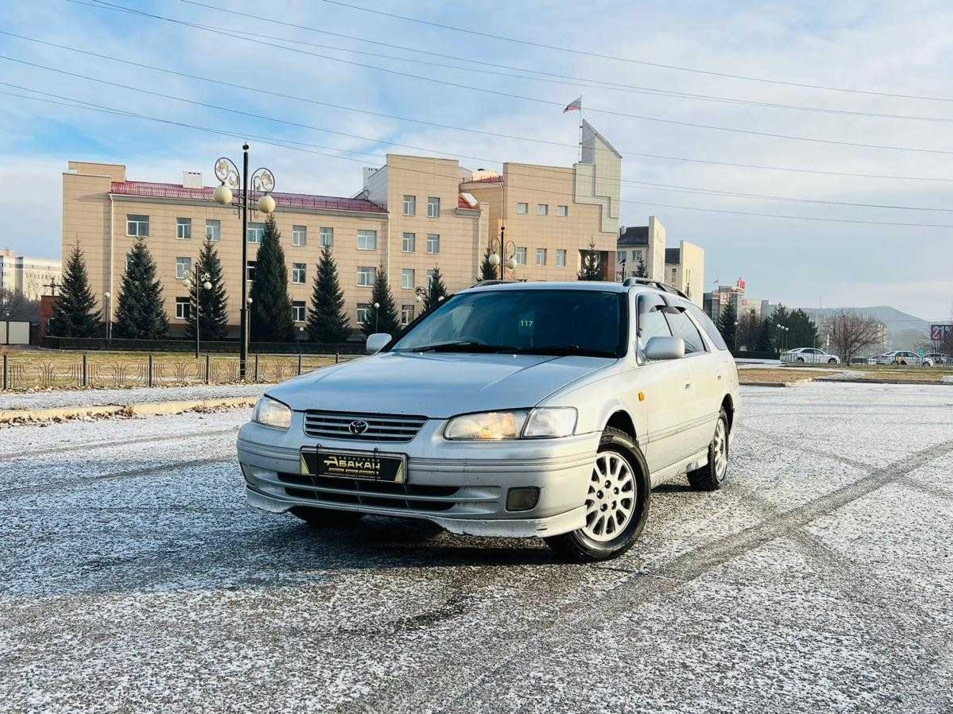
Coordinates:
[522,499]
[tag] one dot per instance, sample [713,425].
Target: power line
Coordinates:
[73,103]
[549,77]
[310,100]
[645,63]
[654,186]
[510,95]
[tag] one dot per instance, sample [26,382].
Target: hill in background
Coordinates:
[904,331]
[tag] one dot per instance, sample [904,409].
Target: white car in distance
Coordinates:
[808,355]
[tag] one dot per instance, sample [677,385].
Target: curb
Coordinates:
[884,381]
[777,385]
[14,416]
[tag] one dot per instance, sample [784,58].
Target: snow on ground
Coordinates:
[134,578]
[102,397]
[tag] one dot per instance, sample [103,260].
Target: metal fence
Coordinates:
[29,370]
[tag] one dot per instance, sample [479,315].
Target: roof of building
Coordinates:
[171,191]
[673,255]
[468,201]
[634,235]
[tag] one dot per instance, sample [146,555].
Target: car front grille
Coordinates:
[379,494]
[362,427]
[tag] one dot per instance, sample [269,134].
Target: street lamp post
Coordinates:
[377,316]
[200,282]
[261,180]
[109,318]
[499,247]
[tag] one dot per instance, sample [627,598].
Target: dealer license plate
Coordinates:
[371,465]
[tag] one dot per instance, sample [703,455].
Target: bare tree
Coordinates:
[16,306]
[852,333]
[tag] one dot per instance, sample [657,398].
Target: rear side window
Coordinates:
[707,325]
[685,328]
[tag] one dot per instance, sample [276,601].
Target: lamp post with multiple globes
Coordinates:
[262,180]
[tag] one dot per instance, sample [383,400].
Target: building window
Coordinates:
[522,208]
[137,226]
[183,228]
[521,256]
[327,237]
[430,274]
[299,235]
[213,230]
[542,209]
[256,231]
[183,308]
[183,267]
[363,313]
[637,255]
[365,277]
[674,274]
[250,270]
[407,278]
[409,244]
[298,311]
[540,256]
[410,205]
[433,243]
[560,258]
[562,211]
[406,314]
[298,272]
[433,207]
[620,256]
[367,240]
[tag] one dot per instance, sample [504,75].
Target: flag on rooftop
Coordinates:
[574,106]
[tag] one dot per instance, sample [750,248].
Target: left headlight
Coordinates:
[542,423]
[271,412]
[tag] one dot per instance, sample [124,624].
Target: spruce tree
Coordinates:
[212,302]
[591,264]
[383,318]
[327,321]
[487,271]
[272,319]
[436,290]
[74,310]
[726,324]
[765,338]
[140,310]
[640,271]
[803,329]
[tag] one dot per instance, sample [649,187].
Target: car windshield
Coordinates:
[545,322]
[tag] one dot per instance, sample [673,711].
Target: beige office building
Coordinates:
[644,247]
[27,275]
[413,214]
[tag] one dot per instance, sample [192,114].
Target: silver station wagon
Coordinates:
[513,409]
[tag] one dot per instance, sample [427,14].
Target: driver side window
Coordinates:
[651,321]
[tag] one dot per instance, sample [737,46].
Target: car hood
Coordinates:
[435,385]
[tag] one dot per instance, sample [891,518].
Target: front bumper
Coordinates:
[461,486]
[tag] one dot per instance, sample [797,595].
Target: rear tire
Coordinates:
[712,475]
[832,361]
[325,517]
[617,503]
[800,360]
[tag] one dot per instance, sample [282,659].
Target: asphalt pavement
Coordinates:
[134,579]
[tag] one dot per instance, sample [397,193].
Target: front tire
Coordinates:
[617,504]
[712,475]
[832,361]
[325,517]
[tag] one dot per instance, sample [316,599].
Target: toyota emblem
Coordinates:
[357,427]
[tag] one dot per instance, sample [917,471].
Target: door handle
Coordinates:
[719,377]
[688,385]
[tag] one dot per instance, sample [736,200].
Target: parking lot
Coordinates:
[133,578]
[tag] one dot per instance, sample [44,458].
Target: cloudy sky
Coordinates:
[319,68]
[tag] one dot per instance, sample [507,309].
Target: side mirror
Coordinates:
[661,348]
[375,343]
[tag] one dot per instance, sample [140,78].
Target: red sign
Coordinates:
[741,283]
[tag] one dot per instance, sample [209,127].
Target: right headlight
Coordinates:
[541,423]
[271,412]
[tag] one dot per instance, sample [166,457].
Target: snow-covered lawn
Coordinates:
[134,578]
[98,397]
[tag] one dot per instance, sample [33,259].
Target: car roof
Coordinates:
[599,285]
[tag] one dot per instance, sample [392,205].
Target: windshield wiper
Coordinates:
[567,350]
[463,346]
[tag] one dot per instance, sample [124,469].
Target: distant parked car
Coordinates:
[938,358]
[905,358]
[808,355]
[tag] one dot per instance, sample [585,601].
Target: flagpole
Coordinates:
[580,129]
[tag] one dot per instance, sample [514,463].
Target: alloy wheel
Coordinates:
[610,502]
[720,450]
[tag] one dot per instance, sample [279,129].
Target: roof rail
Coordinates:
[658,284]
[482,283]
